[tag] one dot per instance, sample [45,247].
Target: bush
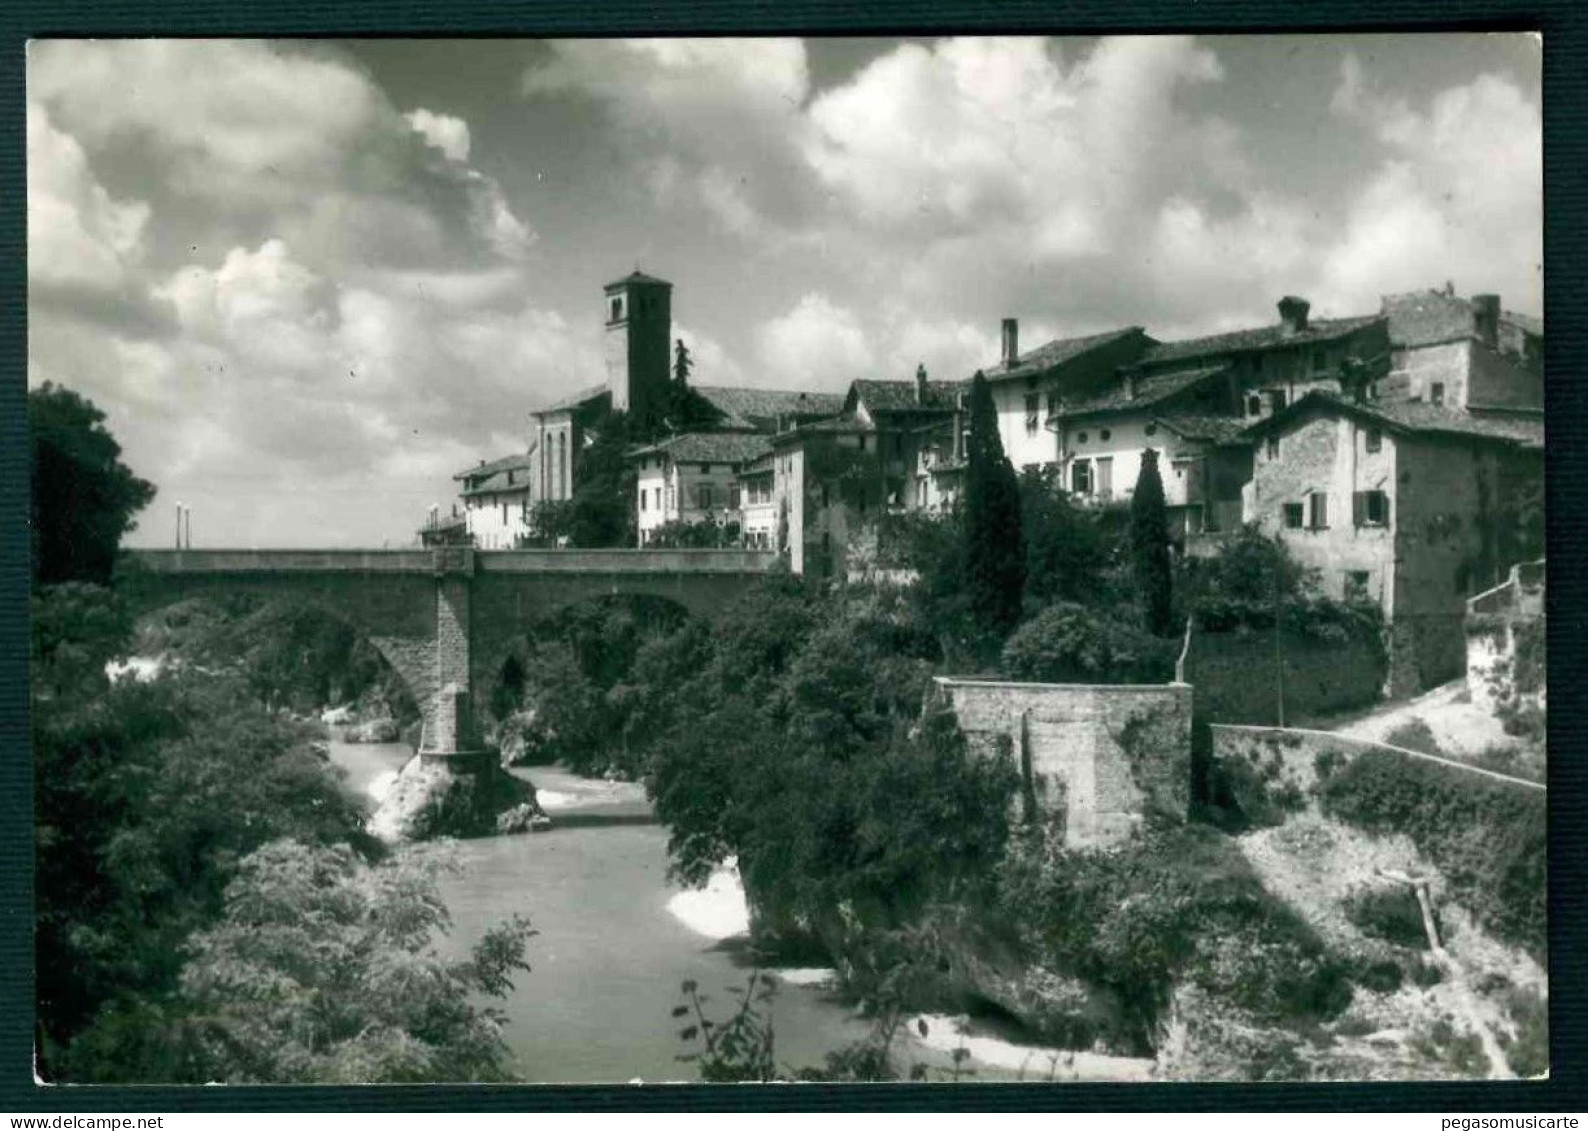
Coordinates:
[1415,734]
[1389,913]
[1068,643]
[1178,905]
[1486,837]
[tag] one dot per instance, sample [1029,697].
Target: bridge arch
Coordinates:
[440,617]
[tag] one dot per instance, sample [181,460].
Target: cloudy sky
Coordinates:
[309,281]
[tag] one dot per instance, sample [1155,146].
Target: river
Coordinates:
[615,942]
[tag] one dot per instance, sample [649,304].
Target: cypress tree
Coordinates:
[995,553]
[1149,546]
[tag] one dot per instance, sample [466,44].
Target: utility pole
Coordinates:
[1279,647]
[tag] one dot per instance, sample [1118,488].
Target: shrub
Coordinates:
[1389,913]
[1180,904]
[1416,735]
[1068,643]
[1486,837]
[1528,1052]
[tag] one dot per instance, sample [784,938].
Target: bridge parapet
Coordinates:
[455,559]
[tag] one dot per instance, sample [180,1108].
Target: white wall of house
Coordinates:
[758,511]
[653,482]
[497,520]
[1026,444]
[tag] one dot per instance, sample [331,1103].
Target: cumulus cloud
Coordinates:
[442,131]
[1459,194]
[815,345]
[77,233]
[363,328]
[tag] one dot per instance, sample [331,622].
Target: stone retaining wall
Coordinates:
[1098,758]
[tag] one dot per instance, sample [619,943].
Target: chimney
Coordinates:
[920,384]
[1293,313]
[1486,319]
[1011,340]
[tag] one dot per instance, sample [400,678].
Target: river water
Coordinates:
[617,939]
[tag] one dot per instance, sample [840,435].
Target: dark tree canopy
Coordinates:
[1149,545]
[601,512]
[84,497]
[994,558]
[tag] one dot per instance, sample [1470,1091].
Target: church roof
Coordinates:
[761,409]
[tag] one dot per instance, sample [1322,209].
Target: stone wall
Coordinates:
[1099,759]
[1236,675]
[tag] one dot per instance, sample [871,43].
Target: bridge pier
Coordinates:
[449,734]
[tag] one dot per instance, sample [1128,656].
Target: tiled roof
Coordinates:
[1523,429]
[761,408]
[498,485]
[1200,426]
[582,397]
[1151,389]
[1055,353]
[899,396]
[514,462]
[1425,318]
[832,426]
[709,447]
[1262,337]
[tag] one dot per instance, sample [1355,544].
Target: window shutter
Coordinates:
[1359,508]
[1384,506]
[1320,510]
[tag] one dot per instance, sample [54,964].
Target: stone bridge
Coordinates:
[446,619]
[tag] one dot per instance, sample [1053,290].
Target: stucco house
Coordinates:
[693,478]
[1463,353]
[1409,505]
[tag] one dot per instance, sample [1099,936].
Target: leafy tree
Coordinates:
[994,554]
[84,497]
[682,365]
[601,510]
[1149,546]
[325,970]
[1070,643]
[1072,552]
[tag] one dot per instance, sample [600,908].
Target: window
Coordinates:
[1293,512]
[1375,440]
[1355,586]
[644,491]
[862,443]
[670,497]
[705,496]
[1254,405]
[1319,518]
[1105,434]
[1081,438]
[705,469]
[1370,508]
[1151,430]
[1053,404]
[733,498]
[504,514]
[1436,392]
[1033,413]
[1278,398]
[1271,447]
[1105,478]
[1081,477]
[617,309]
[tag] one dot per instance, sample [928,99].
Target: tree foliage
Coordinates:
[1073,552]
[994,555]
[84,498]
[1070,643]
[1149,545]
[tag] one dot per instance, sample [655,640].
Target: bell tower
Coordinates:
[639,321]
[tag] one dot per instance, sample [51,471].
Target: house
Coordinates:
[1193,400]
[693,478]
[758,509]
[498,501]
[1027,388]
[1409,505]
[1466,353]
[444,530]
[833,478]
